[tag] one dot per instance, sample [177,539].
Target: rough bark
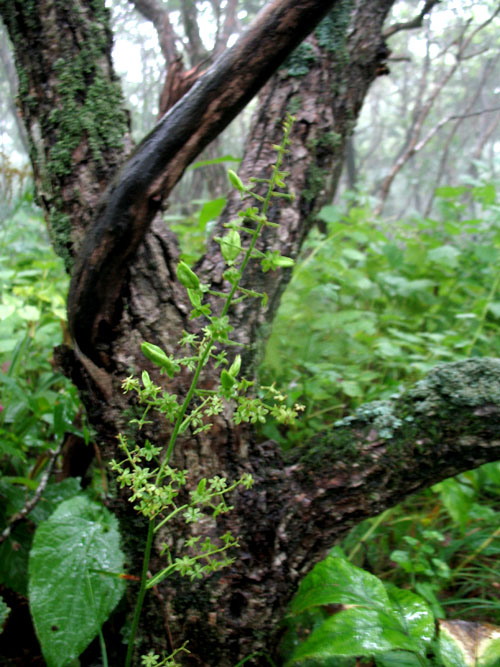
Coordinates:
[124,291]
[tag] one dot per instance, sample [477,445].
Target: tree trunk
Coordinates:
[108,227]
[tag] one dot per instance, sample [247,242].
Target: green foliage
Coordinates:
[14,551]
[345,613]
[73,582]
[74,536]
[372,307]
[362,617]
[37,405]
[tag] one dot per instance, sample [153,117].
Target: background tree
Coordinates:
[104,215]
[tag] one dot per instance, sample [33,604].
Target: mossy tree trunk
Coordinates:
[107,226]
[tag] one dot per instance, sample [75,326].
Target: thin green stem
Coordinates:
[179,423]
[142,593]
[171,516]
[104,654]
[374,525]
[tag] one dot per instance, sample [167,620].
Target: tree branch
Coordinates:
[463,41]
[302,503]
[154,11]
[136,194]
[414,23]
[446,424]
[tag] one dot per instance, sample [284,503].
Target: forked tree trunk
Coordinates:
[123,260]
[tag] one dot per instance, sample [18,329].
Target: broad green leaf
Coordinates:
[486,194]
[211,210]
[388,349]
[29,313]
[54,495]
[486,253]
[415,615]
[330,214]
[355,255]
[70,596]
[398,659]
[457,499]
[446,255]
[351,388]
[356,632]
[336,581]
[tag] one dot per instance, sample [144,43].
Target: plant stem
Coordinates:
[142,593]
[104,654]
[209,343]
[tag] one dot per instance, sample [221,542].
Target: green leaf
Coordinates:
[217,160]
[446,255]
[377,620]
[398,659]
[351,388]
[14,551]
[330,214]
[211,210]
[457,498]
[355,632]
[70,597]
[6,310]
[335,581]
[29,313]
[450,192]
[226,380]
[415,615]
[486,194]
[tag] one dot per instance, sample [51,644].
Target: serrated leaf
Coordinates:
[69,596]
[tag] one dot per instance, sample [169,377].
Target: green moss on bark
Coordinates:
[91,111]
[331,33]
[71,101]
[300,61]
[315,182]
